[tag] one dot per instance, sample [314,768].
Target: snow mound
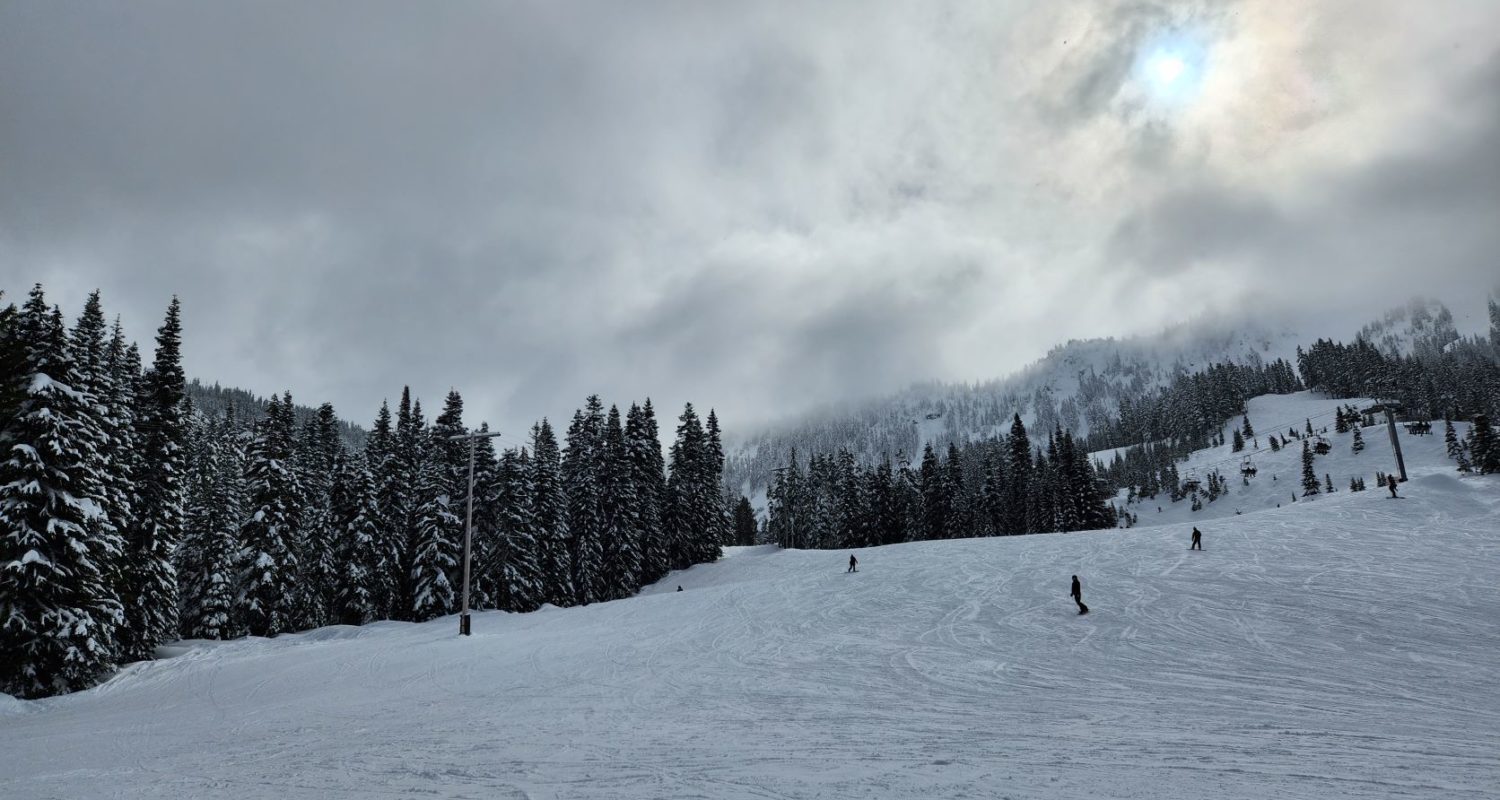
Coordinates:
[1440,483]
[13,707]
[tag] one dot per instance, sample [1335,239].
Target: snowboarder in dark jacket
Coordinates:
[1197,540]
[1077,595]
[853,564]
[1390,481]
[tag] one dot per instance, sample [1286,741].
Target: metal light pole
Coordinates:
[463,617]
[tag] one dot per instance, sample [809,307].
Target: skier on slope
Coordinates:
[853,564]
[1197,540]
[1390,482]
[1077,595]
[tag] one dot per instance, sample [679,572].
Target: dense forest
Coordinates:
[996,487]
[129,517]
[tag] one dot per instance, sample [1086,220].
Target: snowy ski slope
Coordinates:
[1278,475]
[1344,648]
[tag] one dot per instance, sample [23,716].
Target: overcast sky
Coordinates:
[758,206]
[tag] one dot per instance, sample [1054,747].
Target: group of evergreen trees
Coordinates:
[1462,379]
[91,511]
[129,518]
[1165,426]
[1001,486]
[1191,409]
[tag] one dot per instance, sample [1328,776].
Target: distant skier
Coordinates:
[1077,594]
[853,564]
[1197,540]
[1390,482]
[679,588]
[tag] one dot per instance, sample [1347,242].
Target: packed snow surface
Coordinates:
[1340,648]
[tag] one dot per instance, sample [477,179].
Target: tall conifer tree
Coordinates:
[151,597]
[268,574]
[582,473]
[516,560]
[550,516]
[1309,476]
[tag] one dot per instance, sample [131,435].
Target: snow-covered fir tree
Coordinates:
[385,466]
[649,479]
[215,533]
[268,570]
[515,561]
[483,587]
[1309,476]
[150,596]
[744,519]
[549,508]
[318,455]
[359,556]
[434,549]
[452,457]
[1484,449]
[58,613]
[582,475]
[1019,469]
[695,513]
[621,535]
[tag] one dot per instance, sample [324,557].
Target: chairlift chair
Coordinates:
[1247,467]
[1322,447]
[1191,482]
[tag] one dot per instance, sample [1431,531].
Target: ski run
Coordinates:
[1339,646]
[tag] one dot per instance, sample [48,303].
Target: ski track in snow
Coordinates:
[1344,648]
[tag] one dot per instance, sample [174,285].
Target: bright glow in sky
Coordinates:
[1166,68]
[1172,67]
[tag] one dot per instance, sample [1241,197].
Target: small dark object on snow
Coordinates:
[1390,482]
[1077,595]
[679,588]
[853,564]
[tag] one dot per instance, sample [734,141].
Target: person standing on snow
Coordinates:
[1077,594]
[853,564]
[1197,540]
[1390,481]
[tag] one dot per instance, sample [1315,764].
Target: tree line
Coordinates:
[999,486]
[129,518]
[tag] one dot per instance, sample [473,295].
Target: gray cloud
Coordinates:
[760,208]
[1418,219]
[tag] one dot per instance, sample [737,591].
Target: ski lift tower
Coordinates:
[1390,408]
[463,617]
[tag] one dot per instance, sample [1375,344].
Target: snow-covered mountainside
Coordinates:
[1421,326]
[1077,385]
[1277,479]
[1336,647]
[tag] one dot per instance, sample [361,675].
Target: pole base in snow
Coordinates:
[463,625]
